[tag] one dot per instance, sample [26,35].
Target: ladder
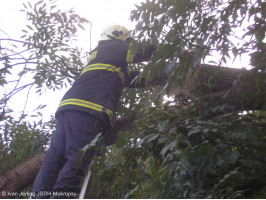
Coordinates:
[86,183]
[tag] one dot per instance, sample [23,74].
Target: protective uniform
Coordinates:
[87,108]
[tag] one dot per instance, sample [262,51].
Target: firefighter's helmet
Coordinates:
[115,31]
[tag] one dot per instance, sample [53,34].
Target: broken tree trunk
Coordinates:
[241,88]
[20,177]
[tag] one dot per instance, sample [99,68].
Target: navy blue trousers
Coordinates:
[60,173]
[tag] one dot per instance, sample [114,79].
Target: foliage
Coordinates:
[47,50]
[22,140]
[191,149]
[174,152]
[211,29]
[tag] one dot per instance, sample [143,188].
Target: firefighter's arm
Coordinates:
[137,54]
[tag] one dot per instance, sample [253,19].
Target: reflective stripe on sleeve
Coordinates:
[101,66]
[88,104]
[111,117]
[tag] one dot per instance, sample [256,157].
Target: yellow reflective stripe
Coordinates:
[111,116]
[83,103]
[90,105]
[101,66]
[130,56]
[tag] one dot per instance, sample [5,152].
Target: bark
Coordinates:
[20,177]
[208,79]
[241,88]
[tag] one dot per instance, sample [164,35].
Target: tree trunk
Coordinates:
[241,88]
[208,79]
[20,177]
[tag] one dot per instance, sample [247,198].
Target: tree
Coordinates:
[207,142]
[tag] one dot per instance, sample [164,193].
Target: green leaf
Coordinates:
[161,126]
[194,130]
[40,114]
[25,6]
[148,139]
[39,2]
[233,156]
[169,147]
[29,27]
[121,141]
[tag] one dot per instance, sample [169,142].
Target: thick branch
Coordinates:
[212,83]
[20,177]
[246,94]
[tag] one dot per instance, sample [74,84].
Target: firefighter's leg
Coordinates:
[81,130]
[54,160]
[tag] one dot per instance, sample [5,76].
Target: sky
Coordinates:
[99,12]
[102,13]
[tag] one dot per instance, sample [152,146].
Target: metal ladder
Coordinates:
[86,183]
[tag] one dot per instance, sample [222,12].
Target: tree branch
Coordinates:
[13,40]
[15,53]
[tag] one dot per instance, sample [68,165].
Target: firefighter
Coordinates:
[88,108]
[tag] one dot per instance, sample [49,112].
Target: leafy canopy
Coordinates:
[187,148]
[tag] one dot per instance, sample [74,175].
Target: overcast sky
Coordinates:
[99,12]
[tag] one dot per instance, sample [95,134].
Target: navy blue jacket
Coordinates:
[99,87]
